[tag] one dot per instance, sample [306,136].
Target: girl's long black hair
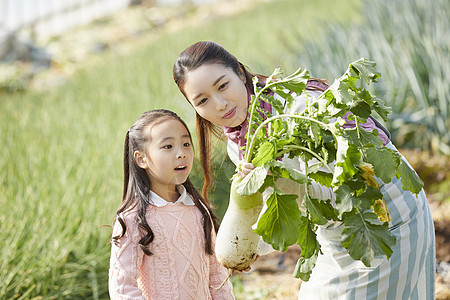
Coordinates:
[137,184]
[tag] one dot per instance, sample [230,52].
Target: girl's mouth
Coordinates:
[230,114]
[181,168]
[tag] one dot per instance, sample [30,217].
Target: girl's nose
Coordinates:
[181,154]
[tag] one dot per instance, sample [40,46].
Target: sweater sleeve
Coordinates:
[217,275]
[125,262]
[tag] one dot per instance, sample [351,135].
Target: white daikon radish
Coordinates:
[237,244]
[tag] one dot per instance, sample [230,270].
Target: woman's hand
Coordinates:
[246,270]
[246,168]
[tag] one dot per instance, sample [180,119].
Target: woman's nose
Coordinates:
[221,103]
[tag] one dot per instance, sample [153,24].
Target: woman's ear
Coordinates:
[244,79]
[242,75]
[140,159]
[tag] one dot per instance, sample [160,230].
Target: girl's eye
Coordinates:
[202,101]
[167,146]
[187,144]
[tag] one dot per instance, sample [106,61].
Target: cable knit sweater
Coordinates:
[179,267]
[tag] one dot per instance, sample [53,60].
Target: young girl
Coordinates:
[219,87]
[163,238]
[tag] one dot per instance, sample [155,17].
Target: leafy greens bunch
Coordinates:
[316,135]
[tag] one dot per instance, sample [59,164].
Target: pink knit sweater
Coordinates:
[179,267]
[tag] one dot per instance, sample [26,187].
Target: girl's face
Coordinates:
[167,155]
[217,94]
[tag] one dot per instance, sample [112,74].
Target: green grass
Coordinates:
[61,159]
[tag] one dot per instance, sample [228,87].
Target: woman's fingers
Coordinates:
[246,168]
[248,269]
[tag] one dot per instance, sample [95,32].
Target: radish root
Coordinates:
[230,272]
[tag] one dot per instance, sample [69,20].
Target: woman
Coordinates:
[219,87]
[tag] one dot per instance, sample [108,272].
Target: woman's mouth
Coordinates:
[230,114]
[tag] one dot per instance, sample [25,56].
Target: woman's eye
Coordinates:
[222,86]
[167,146]
[202,101]
[187,144]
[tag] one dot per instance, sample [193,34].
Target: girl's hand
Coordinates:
[246,168]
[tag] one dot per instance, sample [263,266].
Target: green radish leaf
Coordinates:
[381,108]
[339,90]
[277,130]
[286,96]
[323,103]
[304,267]
[295,87]
[285,141]
[365,137]
[314,211]
[366,70]
[352,80]
[365,96]
[314,168]
[298,76]
[269,181]
[345,200]
[361,109]
[369,196]
[320,211]
[274,102]
[323,178]
[264,154]
[318,133]
[347,157]
[278,226]
[297,81]
[410,179]
[342,147]
[366,237]
[384,161]
[293,174]
[252,182]
[307,238]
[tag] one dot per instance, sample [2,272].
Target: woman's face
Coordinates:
[218,94]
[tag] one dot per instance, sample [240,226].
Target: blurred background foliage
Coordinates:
[410,42]
[61,160]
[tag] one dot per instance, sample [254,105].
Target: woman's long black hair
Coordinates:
[137,184]
[196,55]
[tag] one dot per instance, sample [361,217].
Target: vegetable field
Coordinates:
[62,134]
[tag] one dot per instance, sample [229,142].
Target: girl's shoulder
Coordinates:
[129,215]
